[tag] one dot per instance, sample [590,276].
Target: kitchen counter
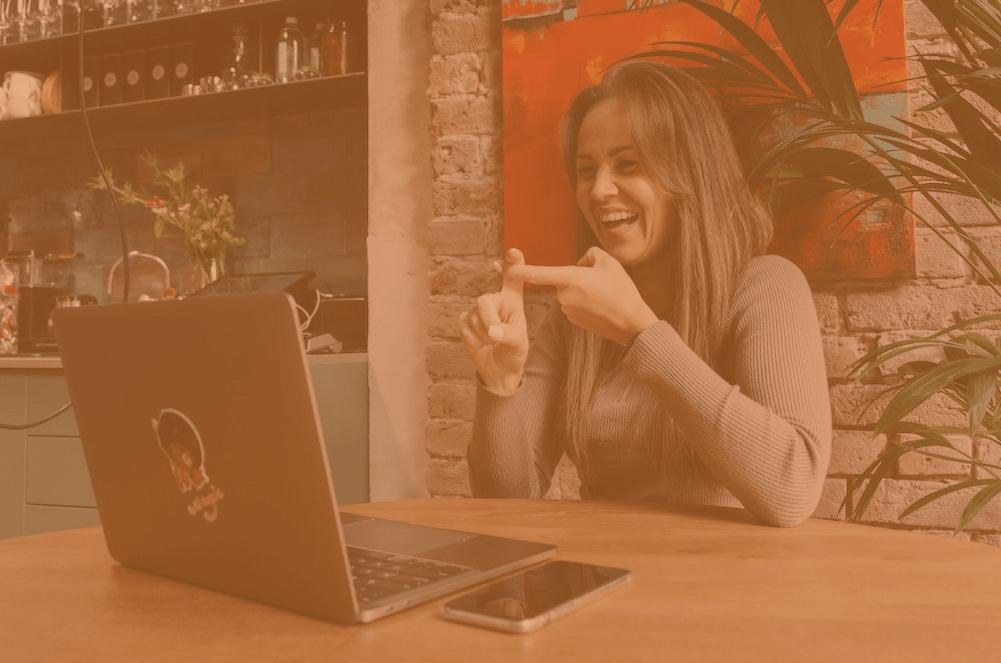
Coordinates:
[54,361]
[44,483]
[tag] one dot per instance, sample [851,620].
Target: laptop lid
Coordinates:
[200,432]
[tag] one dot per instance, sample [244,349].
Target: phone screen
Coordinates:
[535,597]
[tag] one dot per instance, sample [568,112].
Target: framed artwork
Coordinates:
[552,49]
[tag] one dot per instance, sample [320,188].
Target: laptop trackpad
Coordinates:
[402,538]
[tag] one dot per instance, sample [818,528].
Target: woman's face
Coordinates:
[627,213]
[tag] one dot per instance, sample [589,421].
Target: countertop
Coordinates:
[16,362]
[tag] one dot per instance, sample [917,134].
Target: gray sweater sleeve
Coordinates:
[767,437]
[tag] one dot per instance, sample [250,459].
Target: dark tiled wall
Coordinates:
[298,184]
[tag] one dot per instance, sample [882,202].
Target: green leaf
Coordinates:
[981,141]
[921,388]
[753,43]
[942,492]
[977,503]
[805,30]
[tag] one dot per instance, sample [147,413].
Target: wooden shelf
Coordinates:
[328,93]
[211,31]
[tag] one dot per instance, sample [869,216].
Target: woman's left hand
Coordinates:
[597,294]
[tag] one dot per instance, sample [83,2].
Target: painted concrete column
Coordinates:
[400,208]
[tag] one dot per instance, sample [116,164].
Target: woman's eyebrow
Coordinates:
[613,152]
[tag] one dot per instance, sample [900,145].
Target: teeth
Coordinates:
[615,217]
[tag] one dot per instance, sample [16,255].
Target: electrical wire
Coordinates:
[309,315]
[36,423]
[123,235]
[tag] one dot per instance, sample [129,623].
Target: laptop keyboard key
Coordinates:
[378,575]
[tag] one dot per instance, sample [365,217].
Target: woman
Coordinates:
[682,364]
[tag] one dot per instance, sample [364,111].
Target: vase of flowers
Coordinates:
[206,224]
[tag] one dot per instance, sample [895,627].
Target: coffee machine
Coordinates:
[41,280]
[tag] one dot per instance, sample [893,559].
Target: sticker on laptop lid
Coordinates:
[181,443]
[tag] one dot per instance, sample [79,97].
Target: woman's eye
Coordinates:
[586,171]
[627,165]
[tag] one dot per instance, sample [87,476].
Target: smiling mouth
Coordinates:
[617,219]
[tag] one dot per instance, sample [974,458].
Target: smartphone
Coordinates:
[535,597]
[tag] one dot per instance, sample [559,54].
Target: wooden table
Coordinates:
[708,585]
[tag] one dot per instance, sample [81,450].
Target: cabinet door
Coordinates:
[47,392]
[12,409]
[342,400]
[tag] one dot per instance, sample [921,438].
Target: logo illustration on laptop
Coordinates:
[182,445]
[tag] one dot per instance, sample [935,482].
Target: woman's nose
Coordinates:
[604,185]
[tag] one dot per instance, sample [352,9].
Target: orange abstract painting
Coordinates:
[554,48]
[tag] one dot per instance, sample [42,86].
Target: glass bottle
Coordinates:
[335,49]
[314,48]
[235,74]
[290,52]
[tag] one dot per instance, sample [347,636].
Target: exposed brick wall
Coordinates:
[467,235]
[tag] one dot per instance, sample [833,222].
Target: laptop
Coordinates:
[201,435]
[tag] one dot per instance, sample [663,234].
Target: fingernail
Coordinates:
[496,332]
[498,267]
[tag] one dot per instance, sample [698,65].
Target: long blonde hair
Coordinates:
[719,224]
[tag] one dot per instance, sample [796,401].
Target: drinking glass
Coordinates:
[50,18]
[5,22]
[141,10]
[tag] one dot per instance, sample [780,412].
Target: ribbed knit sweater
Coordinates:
[757,434]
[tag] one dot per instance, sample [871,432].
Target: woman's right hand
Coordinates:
[495,333]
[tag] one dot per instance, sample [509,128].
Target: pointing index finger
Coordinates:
[560,277]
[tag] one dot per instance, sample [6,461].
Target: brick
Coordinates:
[454,155]
[915,464]
[468,114]
[242,154]
[493,243]
[454,6]
[828,313]
[465,33]
[475,197]
[987,451]
[969,212]
[939,410]
[447,360]
[454,74]
[840,352]
[466,276]
[919,22]
[452,400]
[831,499]
[459,236]
[850,404]
[492,154]
[914,307]
[853,451]
[443,315]
[894,495]
[447,478]
[301,235]
[448,437]
[988,240]
[939,257]
[918,353]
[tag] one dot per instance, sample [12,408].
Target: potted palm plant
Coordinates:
[815,93]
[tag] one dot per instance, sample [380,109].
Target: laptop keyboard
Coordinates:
[377,575]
